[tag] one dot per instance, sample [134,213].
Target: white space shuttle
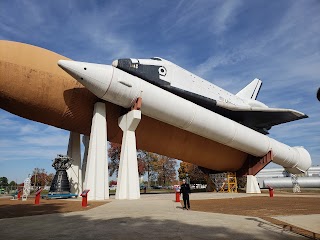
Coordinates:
[242,107]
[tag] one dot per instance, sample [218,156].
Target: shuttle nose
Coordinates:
[115,63]
[95,77]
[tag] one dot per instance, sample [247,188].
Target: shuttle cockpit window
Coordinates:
[156,58]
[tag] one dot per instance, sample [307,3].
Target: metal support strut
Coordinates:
[251,167]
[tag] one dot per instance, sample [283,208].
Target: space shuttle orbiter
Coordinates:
[242,107]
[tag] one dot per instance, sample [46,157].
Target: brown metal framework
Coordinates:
[137,104]
[253,165]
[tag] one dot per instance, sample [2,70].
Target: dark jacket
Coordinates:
[185,189]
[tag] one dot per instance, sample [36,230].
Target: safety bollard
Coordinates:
[37,199]
[19,194]
[270,191]
[177,190]
[84,196]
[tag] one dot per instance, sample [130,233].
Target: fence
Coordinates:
[7,190]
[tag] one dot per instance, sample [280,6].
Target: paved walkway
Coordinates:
[308,222]
[152,217]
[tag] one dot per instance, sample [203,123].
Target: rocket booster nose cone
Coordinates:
[95,77]
[62,63]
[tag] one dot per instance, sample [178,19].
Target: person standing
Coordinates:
[185,191]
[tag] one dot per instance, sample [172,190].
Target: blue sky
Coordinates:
[226,42]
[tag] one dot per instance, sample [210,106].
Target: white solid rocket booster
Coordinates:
[121,88]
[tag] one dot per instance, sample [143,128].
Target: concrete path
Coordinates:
[308,222]
[152,217]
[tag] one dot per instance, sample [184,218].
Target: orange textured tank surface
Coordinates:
[34,87]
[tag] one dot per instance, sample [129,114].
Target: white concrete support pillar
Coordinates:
[252,185]
[74,172]
[85,141]
[128,177]
[96,175]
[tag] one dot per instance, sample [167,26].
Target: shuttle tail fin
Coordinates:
[250,91]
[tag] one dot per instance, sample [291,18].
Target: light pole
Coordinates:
[35,178]
[187,178]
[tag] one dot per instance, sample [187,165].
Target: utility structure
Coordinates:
[295,183]
[232,182]
[225,182]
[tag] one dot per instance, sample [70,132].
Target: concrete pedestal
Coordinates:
[96,177]
[74,172]
[128,178]
[252,184]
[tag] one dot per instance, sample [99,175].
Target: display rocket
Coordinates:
[123,88]
[184,116]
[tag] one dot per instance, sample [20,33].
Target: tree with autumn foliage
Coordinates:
[156,167]
[194,173]
[165,167]
[40,177]
[184,169]
[114,152]
[148,160]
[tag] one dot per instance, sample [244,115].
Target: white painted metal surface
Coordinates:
[286,182]
[280,172]
[121,88]
[180,78]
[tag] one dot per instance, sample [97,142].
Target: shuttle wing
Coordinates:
[262,119]
[258,118]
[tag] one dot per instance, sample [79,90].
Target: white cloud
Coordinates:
[29,129]
[46,141]
[201,35]
[197,19]
[224,16]
[30,140]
